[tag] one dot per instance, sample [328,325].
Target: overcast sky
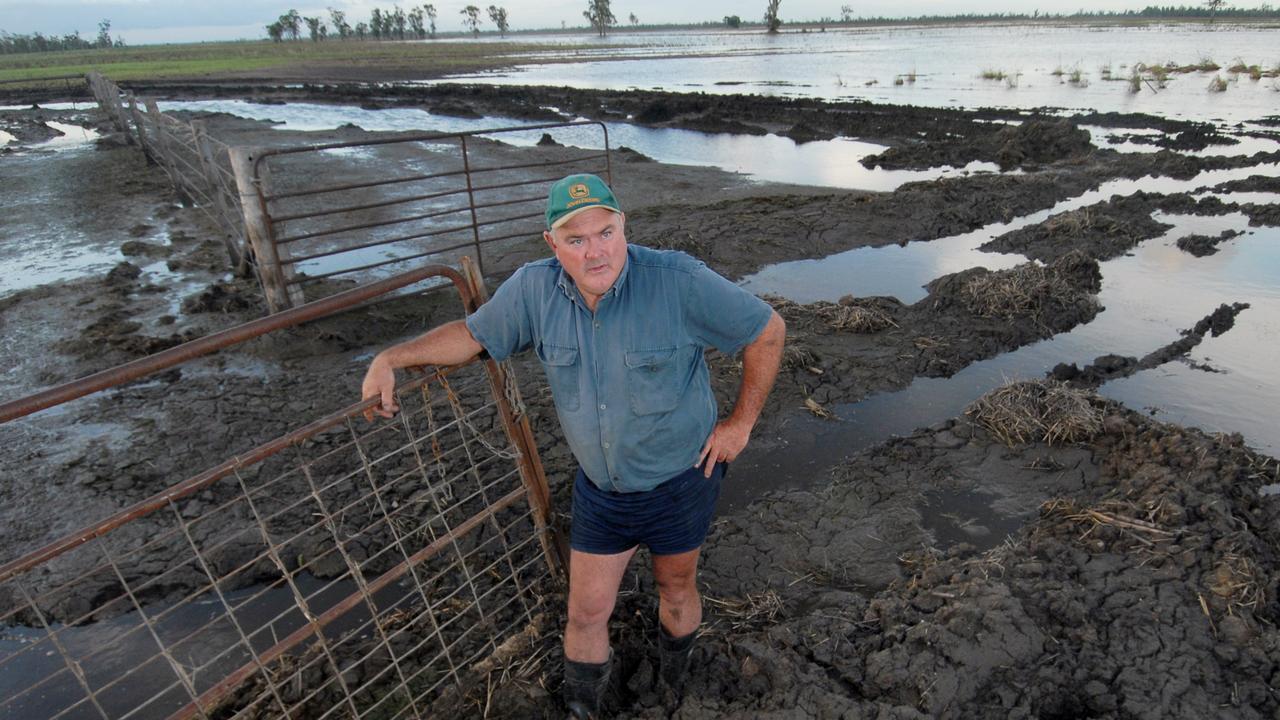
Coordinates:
[149,21]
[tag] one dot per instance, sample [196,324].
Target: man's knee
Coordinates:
[676,580]
[590,609]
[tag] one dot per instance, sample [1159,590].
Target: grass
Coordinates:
[225,59]
[1135,81]
[1077,79]
[993,74]
[1218,84]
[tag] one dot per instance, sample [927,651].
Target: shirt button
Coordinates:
[606,447]
[602,406]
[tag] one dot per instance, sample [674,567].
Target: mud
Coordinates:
[1138,579]
[1110,229]
[1110,367]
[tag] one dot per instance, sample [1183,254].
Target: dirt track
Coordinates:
[1140,580]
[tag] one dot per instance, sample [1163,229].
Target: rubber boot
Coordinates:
[673,656]
[584,687]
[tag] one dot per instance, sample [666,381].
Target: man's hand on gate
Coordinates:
[726,441]
[380,382]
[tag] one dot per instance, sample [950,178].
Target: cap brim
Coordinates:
[565,217]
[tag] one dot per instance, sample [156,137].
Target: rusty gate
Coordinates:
[343,570]
[401,199]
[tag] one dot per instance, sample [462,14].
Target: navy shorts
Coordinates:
[670,519]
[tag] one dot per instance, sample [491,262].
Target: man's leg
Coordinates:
[679,615]
[679,605]
[593,590]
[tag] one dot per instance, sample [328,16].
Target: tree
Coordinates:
[499,17]
[846,13]
[340,26]
[104,34]
[471,18]
[292,23]
[362,30]
[375,24]
[430,10]
[634,20]
[316,28]
[275,31]
[599,15]
[1214,6]
[732,21]
[771,16]
[416,28]
[400,21]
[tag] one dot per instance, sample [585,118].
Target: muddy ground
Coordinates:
[1138,577]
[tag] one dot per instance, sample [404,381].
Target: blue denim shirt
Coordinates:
[630,384]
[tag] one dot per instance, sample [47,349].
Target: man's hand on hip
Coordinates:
[727,440]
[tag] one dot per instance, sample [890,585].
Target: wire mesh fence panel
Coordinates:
[347,569]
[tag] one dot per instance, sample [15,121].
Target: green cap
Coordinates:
[571,195]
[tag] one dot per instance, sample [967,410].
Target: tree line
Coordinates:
[12,44]
[416,23]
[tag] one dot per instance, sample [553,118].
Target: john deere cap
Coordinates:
[571,195]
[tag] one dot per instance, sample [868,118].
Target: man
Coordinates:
[620,332]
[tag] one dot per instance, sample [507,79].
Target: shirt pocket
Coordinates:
[653,380]
[561,365]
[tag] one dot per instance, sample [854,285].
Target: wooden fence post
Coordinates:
[141,128]
[213,186]
[116,110]
[161,142]
[257,223]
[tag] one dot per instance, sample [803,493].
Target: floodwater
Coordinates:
[947,63]
[768,158]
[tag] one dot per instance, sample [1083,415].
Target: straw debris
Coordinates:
[748,614]
[1030,289]
[1030,411]
[856,315]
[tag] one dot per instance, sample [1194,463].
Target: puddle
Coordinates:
[771,158]
[198,630]
[903,271]
[966,516]
[1148,296]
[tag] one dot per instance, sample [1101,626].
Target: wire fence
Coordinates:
[197,165]
[287,217]
[344,570]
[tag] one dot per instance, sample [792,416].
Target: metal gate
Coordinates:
[402,199]
[344,570]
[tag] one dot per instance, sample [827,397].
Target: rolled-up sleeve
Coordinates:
[502,325]
[721,314]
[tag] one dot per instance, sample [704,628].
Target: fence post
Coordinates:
[116,110]
[257,224]
[213,186]
[516,420]
[142,130]
[161,142]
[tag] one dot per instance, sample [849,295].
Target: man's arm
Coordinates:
[760,362]
[448,344]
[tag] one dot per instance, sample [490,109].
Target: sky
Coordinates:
[154,21]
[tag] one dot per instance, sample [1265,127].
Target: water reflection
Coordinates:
[946,64]
[771,158]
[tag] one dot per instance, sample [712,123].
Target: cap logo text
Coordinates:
[578,191]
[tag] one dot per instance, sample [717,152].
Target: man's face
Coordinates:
[592,249]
